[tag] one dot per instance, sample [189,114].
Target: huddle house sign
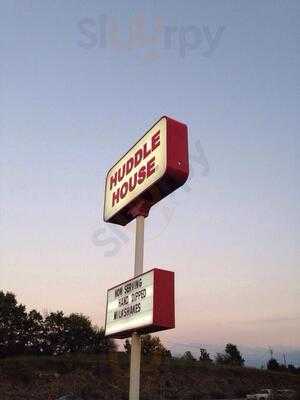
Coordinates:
[153,168]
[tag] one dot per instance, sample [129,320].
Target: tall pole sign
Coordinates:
[153,168]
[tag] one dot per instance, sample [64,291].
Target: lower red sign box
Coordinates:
[143,304]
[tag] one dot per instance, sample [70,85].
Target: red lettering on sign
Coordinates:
[142,175]
[129,165]
[155,140]
[132,182]
[115,197]
[141,154]
[138,157]
[136,179]
[124,190]
[150,167]
[121,173]
[146,150]
[113,180]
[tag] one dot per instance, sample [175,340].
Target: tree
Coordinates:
[78,333]
[204,356]
[232,356]
[55,334]
[292,368]
[151,345]
[74,334]
[12,325]
[101,343]
[221,359]
[34,330]
[188,356]
[273,364]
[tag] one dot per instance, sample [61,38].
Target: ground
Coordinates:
[107,377]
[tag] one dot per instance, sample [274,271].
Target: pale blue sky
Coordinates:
[76,93]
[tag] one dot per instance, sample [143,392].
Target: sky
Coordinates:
[81,82]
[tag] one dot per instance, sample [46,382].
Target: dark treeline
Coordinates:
[23,332]
[30,333]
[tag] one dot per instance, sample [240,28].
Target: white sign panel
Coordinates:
[130,305]
[143,165]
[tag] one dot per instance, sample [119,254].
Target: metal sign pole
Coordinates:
[135,360]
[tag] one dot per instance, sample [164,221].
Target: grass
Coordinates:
[97,377]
